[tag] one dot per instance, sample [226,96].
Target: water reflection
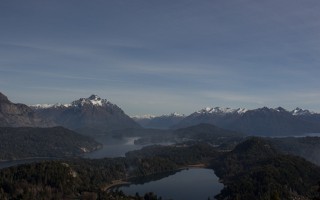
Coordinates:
[186,184]
[114,147]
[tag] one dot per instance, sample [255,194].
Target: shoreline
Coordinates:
[31,158]
[114,184]
[126,181]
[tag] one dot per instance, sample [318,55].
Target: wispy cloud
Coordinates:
[164,55]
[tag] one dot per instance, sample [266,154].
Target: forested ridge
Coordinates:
[82,177]
[253,170]
[26,142]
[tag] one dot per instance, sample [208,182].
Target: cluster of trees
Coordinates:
[253,170]
[47,180]
[25,142]
[306,147]
[221,138]
[80,178]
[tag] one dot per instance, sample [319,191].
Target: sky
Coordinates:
[162,56]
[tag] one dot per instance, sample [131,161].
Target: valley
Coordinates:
[159,100]
[82,161]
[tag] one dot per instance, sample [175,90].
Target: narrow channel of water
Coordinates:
[113,147]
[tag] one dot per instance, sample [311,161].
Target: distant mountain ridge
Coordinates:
[260,121]
[92,113]
[161,122]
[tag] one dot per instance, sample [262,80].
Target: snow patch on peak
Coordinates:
[94,100]
[41,106]
[46,106]
[280,109]
[174,114]
[242,110]
[218,110]
[299,111]
[147,116]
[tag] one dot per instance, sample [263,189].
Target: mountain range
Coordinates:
[260,121]
[96,115]
[91,114]
[160,122]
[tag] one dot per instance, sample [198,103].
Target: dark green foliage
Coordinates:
[218,137]
[47,180]
[87,178]
[306,147]
[254,170]
[19,143]
[181,155]
[222,138]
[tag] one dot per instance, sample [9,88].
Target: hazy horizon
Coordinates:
[158,57]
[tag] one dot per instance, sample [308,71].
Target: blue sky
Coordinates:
[157,57]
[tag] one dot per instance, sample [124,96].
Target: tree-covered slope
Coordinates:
[26,142]
[255,170]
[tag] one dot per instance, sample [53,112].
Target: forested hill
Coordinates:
[26,142]
[255,170]
[88,178]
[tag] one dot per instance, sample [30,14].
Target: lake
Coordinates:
[113,147]
[194,183]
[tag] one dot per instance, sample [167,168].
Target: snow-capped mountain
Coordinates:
[87,114]
[143,117]
[161,122]
[93,100]
[306,115]
[299,111]
[260,121]
[218,110]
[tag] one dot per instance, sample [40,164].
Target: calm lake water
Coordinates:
[112,147]
[191,184]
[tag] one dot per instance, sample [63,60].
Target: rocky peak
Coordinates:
[93,100]
[16,115]
[3,98]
